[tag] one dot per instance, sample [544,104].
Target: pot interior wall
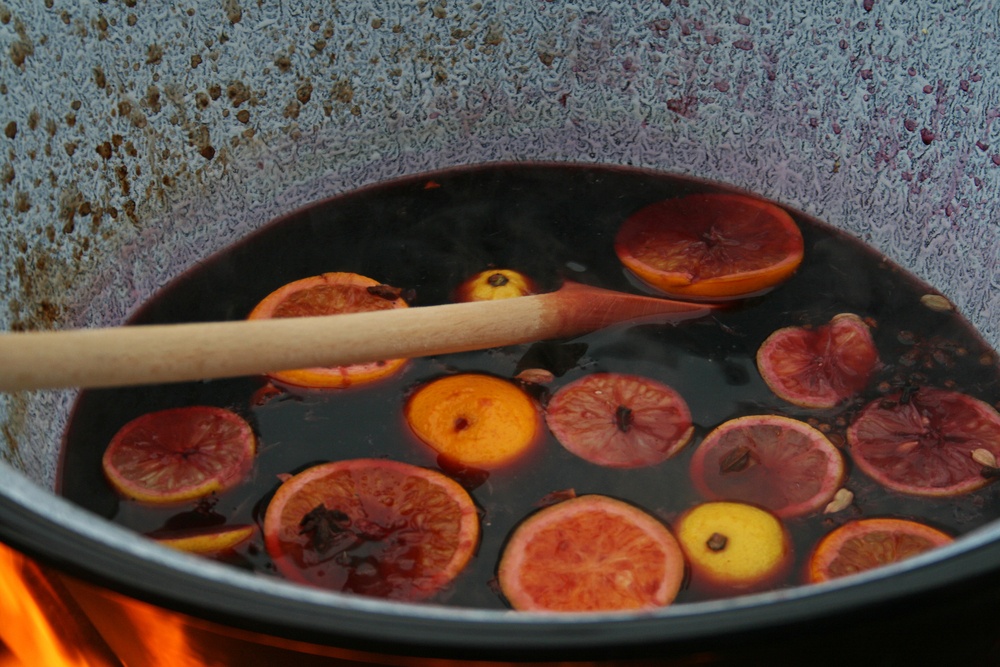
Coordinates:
[141,139]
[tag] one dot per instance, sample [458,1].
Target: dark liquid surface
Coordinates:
[430,233]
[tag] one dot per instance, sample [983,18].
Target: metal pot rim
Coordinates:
[85,546]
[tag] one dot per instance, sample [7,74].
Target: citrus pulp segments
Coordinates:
[819,367]
[179,454]
[425,527]
[865,544]
[330,294]
[711,246]
[923,445]
[591,553]
[619,421]
[781,464]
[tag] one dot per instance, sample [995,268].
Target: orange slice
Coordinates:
[925,445]
[474,420]
[495,284]
[372,526]
[865,544]
[778,463]
[591,553]
[620,421]
[711,246]
[206,541]
[331,294]
[819,367]
[179,454]
[734,545]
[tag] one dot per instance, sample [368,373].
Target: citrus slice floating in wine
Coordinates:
[778,463]
[210,540]
[923,442]
[179,454]
[474,420]
[734,545]
[495,284]
[865,544]
[591,553]
[331,294]
[711,246]
[619,421]
[373,527]
[819,367]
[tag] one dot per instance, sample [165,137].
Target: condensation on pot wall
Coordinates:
[140,138]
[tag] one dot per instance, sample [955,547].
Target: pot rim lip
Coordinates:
[94,550]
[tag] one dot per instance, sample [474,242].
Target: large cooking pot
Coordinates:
[141,138]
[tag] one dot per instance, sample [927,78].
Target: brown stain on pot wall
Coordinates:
[233,11]
[154,54]
[304,92]
[14,424]
[22,47]
[71,202]
[238,93]
[39,305]
[152,100]
[22,202]
[283,63]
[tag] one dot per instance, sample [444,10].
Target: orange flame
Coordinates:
[41,625]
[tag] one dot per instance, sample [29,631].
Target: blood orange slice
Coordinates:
[819,367]
[179,454]
[778,463]
[711,246]
[869,543]
[474,420]
[331,294]
[620,421]
[372,526]
[923,444]
[591,553]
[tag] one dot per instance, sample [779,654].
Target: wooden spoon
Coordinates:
[152,354]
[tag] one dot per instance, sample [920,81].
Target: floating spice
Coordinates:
[717,542]
[936,302]
[736,460]
[841,501]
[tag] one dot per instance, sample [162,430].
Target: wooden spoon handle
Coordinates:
[151,354]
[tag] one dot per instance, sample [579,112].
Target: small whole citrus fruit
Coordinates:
[733,545]
[495,284]
[373,527]
[619,421]
[711,246]
[591,553]
[179,454]
[474,420]
[331,294]
[865,544]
